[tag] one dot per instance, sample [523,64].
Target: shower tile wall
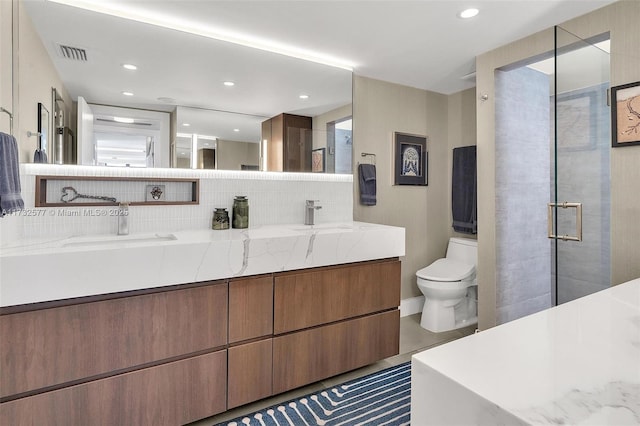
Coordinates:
[523,265]
[274,198]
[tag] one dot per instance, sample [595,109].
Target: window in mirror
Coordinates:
[124,150]
[343,146]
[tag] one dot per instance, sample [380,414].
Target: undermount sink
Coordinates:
[329,227]
[107,240]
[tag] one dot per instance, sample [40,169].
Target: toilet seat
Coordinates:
[446,270]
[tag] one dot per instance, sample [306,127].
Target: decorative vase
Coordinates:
[240,212]
[220,219]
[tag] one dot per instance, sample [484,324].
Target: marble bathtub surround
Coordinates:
[88,265]
[576,363]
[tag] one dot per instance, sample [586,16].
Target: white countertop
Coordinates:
[577,363]
[54,269]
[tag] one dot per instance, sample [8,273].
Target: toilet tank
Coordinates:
[463,249]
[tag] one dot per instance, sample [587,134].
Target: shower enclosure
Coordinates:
[579,207]
[552,177]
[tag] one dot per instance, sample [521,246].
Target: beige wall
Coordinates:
[6,47]
[36,76]
[380,109]
[620,19]
[461,132]
[231,154]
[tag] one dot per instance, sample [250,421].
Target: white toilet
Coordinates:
[450,288]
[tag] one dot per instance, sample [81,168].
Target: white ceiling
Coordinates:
[421,44]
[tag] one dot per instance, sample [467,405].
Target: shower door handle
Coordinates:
[565,205]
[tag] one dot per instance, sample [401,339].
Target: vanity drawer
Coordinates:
[250,308]
[324,295]
[49,347]
[169,394]
[250,372]
[311,355]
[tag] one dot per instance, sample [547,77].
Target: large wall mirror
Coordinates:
[215,96]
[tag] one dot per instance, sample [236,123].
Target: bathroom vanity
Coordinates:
[577,363]
[115,332]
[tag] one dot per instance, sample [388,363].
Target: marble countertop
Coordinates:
[54,269]
[577,363]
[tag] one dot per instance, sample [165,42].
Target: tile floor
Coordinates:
[413,339]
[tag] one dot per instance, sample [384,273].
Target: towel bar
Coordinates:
[367,154]
[10,119]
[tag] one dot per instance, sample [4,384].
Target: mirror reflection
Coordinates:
[149,96]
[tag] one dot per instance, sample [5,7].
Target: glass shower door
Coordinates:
[579,208]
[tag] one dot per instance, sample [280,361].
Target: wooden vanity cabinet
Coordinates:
[250,308]
[49,347]
[250,372]
[324,321]
[177,355]
[251,323]
[318,353]
[331,320]
[145,357]
[319,296]
[289,143]
[173,393]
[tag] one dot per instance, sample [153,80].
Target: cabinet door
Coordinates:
[250,308]
[324,295]
[298,143]
[250,371]
[308,356]
[170,394]
[49,347]
[272,133]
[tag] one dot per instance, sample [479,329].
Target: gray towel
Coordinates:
[367,179]
[464,190]
[10,198]
[39,156]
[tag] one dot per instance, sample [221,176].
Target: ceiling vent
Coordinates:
[73,53]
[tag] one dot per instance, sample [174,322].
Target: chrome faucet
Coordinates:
[309,211]
[123,219]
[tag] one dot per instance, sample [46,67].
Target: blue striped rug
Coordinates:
[382,398]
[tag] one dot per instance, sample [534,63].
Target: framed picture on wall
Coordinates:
[410,159]
[318,160]
[625,115]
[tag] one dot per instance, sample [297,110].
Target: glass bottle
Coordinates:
[220,219]
[240,212]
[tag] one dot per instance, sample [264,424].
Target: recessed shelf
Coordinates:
[132,190]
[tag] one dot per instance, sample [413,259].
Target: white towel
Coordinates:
[10,198]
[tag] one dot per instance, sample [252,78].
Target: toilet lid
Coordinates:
[446,270]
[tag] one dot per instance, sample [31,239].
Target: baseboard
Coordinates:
[411,306]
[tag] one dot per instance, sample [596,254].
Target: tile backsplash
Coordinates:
[274,198]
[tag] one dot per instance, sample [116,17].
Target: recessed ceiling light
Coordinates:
[123,120]
[127,93]
[129,67]
[229,83]
[468,13]
[236,130]
[186,124]
[304,96]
